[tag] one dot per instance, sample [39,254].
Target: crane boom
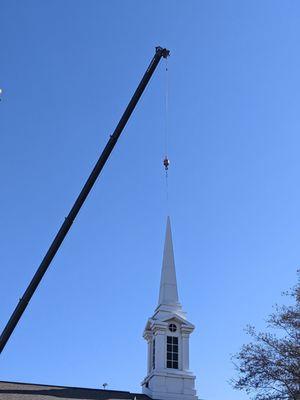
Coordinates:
[64,229]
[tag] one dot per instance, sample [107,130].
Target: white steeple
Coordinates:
[168,293]
[167,333]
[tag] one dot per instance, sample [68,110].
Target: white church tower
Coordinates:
[167,333]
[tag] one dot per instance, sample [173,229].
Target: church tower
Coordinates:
[167,333]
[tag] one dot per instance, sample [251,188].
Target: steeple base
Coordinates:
[170,386]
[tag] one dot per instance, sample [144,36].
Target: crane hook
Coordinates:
[166,163]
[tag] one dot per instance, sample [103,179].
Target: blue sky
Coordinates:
[68,69]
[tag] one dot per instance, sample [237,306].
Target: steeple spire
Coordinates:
[168,293]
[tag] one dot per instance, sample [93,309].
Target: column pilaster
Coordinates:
[185,338]
[148,336]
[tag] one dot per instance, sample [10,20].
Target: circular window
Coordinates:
[172,328]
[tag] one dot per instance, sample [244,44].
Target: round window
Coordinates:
[172,328]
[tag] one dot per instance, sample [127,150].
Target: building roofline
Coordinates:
[72,387]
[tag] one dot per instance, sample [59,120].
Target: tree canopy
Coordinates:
[268,367]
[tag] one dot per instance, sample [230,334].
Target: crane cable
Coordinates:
[166,161]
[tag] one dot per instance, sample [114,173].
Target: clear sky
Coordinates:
[68,69]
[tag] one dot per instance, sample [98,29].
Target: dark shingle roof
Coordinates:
[28,391]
